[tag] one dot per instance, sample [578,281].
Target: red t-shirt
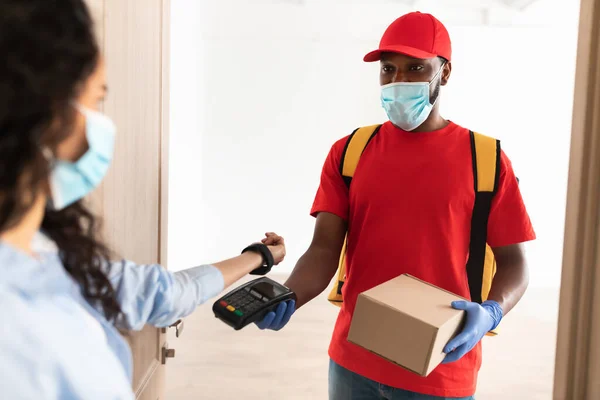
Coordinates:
[409,211]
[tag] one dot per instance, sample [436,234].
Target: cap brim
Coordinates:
[375,55]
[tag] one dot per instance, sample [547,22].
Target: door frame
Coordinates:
[163,187]
[164,135]
[577,369]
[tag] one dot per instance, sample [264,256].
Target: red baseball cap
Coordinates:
[415,34]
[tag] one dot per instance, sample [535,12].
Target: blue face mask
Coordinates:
[407,103]
[72,181]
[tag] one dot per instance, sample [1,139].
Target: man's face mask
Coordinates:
[407,103]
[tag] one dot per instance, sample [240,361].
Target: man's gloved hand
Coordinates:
[275,320]
[480,320]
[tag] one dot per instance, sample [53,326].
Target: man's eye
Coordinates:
[387,68]
[415,68]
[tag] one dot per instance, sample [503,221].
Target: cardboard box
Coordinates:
[406,321]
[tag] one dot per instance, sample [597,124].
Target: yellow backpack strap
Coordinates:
[355,146]
[485,153]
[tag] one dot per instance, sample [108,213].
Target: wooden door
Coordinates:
[577,375]
[133,35]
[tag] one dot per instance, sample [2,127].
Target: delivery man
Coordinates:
[409,210]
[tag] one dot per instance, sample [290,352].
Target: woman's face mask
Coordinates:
[72,181]
[407,103]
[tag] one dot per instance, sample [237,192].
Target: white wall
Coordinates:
[261,91]
[185,221]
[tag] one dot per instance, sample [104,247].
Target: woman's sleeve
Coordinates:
[149,294]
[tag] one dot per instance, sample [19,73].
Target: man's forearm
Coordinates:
[512,277]
[312,274]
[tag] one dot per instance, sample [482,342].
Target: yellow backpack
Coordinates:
[481,266]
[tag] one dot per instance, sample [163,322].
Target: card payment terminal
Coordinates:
[251,302]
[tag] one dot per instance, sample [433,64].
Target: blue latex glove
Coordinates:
[480,320]
[275,320]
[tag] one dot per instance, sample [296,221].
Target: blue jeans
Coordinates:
[346,385]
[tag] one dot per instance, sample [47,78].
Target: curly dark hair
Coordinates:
[49,50]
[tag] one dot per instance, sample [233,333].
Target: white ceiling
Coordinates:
[514,4]
[500,13]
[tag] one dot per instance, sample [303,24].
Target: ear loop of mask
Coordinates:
[48,155]
[82,111]
[51,159]
[438,73]
[438,88]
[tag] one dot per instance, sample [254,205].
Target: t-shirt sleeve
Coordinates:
[509,222]
[332,195]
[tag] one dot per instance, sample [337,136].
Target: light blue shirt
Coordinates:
[55,345]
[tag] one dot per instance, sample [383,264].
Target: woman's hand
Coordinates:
[276,245]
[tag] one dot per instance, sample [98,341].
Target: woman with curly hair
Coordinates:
[62,298]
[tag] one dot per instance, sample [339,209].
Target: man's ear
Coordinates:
[446,73]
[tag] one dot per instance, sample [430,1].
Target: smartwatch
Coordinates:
[267,257]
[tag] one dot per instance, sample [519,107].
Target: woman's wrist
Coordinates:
[238,267]
[255,260]
[267,258]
